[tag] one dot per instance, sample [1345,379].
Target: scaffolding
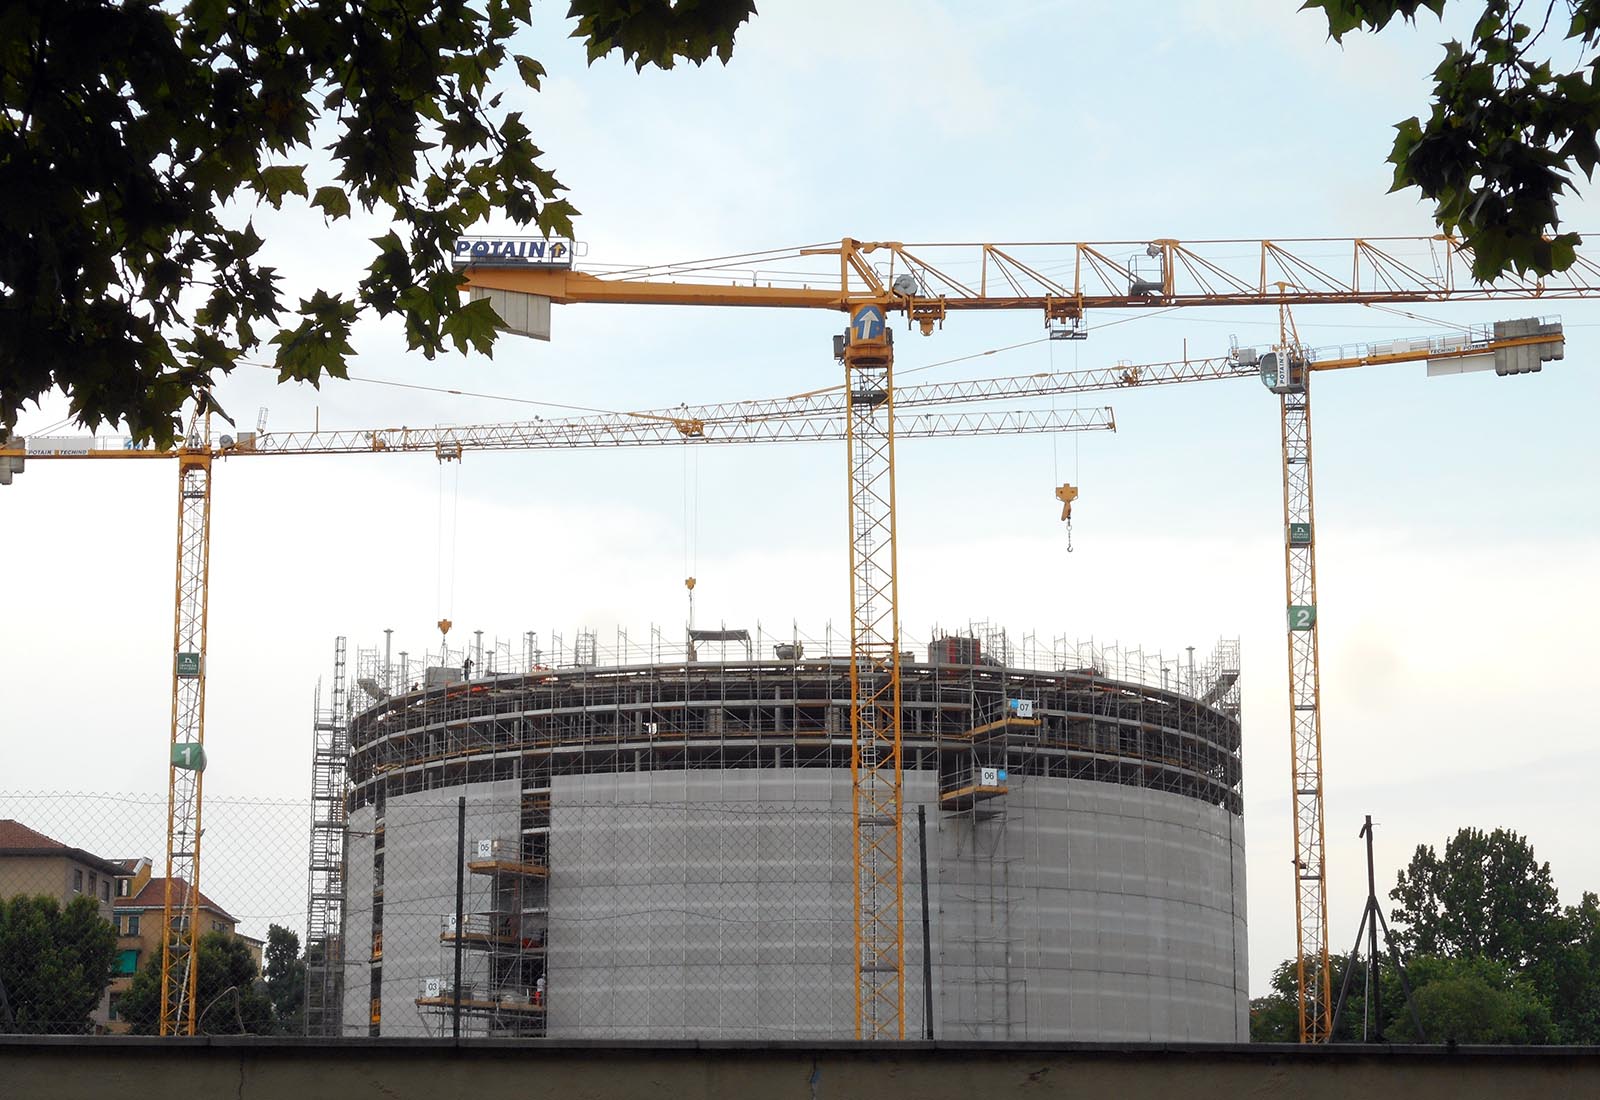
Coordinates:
[502,935]
[324,996]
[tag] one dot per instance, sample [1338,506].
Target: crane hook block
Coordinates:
[1066,494]
[444,626]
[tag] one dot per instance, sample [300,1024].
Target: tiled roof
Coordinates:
[16,839]
[153,896]
[14,834]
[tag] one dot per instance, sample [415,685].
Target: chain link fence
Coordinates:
[695,904]
[83,893]
[488,915]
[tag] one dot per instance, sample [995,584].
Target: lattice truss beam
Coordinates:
[875,759]
[1305,710]
[186,766]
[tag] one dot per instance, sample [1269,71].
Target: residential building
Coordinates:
[138,910]
[35,864]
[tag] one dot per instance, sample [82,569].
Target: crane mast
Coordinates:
[186,762]
[1289,377]
[876,791]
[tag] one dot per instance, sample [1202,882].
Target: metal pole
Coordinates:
[927,951]
[461,874]
[1372,939]
[388,686]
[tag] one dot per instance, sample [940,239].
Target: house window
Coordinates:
[122,888]
[128,961]
[218,926]
[77,880]
[115,997]
[105,891]
[129,923]
[94,883]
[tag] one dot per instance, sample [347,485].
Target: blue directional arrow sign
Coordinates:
[867,324]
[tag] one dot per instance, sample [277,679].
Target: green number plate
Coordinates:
[190,755]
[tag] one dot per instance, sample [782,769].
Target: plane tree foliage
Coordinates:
[138,137]
[1514,116]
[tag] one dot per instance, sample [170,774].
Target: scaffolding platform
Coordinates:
[508,867]
[483,1007]
[968,796]
[998,729]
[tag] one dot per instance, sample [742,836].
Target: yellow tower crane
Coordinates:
[1063,281]
[198,453]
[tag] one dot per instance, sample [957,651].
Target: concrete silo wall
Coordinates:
[719,905]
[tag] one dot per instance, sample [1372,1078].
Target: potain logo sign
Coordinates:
[513,252]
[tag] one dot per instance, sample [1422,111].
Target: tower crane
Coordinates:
[927,283]
[195,459]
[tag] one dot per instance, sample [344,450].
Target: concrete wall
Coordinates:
[718,905]
[1092,911]
[419,846]
[158,1069]
[358,921]
[702,904]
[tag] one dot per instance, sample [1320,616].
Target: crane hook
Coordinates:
[1066,494]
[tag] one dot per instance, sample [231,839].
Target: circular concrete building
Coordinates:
[664,850]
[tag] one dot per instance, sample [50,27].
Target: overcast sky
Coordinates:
[1458,524]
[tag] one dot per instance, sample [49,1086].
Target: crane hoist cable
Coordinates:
[446,606]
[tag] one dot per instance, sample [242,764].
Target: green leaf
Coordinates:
[530,71]
[473,326]
[333,201]
[272,184]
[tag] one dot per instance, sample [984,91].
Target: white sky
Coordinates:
[1458,526]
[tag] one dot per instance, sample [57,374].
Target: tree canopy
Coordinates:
[1275,1018]
[286,980]
[55,962]
[227,996]
[137,137]
[1490,953]
[1508,128]
[1487,897]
